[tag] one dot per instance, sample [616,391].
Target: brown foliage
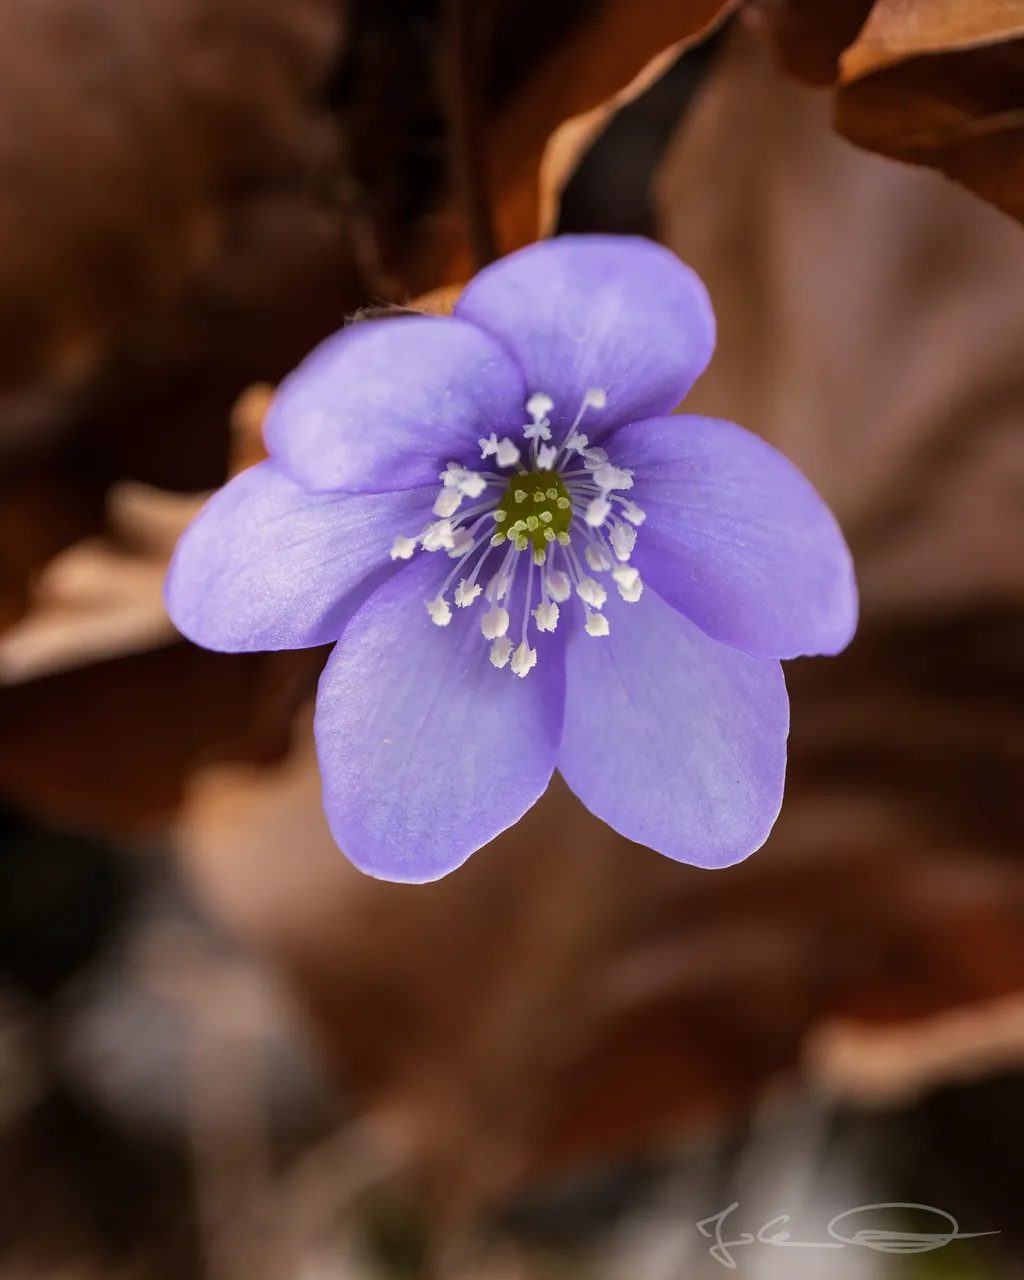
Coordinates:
[932,82]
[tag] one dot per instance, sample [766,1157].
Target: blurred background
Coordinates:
[224,1053]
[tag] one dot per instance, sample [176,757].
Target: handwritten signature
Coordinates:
[877,1238]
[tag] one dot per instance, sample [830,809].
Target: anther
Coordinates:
[633,513]
[597,512]
[623,541]
[539,405]
[439,610]
[546,616]
[597,624]
[524,659]
[438,535]
[402,548]
[501,651]
[494,623]
[546,455]
[507,453]
[597,557]
[591,592]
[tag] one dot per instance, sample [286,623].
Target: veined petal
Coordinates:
[614,313]
[426,750]
[266,565]
[384,404]
[676,741]
[737,538]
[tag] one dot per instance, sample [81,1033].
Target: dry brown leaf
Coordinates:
[103,597]
[589,67]
[892,1065]
[896,31]
[570,141]
[930,82]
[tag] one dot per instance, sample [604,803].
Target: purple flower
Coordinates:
[527,566]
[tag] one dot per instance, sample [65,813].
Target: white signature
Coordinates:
[877,1238]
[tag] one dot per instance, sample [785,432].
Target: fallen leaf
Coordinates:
[598,59]
[929,82]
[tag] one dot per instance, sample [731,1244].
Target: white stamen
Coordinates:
[591,592]
[623,541]
[466,593]
[633,513]
[472,484]
[546,455]
[507,452]
[524,659]
[462,542]
[539,406]
[439,610]
[501,651]
[597,557]
[597,624]
[607,477]
[525,526]
[627,579]
[447,502]
[402,548]
[546,616]
[598,510]
[438,535]
[494,623]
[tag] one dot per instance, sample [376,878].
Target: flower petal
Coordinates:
[737,538]
[265,565]
[426,750]
[676,741]
[615,313]
[385,404]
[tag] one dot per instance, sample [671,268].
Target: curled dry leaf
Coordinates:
[570,141]
[891,1065]
[103,597]
[598,59]
[932,82]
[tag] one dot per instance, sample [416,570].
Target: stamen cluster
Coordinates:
[518,542]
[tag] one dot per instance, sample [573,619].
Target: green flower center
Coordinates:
[535,508]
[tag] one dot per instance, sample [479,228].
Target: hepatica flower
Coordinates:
[527,565]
